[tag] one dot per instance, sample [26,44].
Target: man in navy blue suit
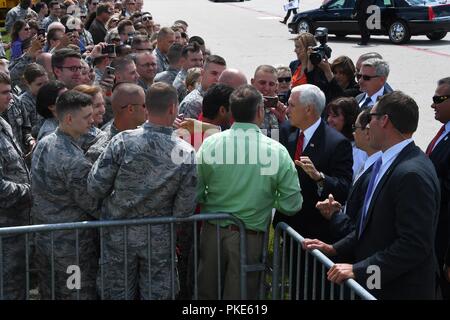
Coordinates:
[396,229]
[439,153]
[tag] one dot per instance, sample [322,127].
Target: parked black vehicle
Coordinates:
[400,19]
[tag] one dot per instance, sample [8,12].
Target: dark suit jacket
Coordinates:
[398,235]
[341,224]
[441,161]
[98,31]
[331,154]
[387,89]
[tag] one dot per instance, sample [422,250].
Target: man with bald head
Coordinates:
[128,106]
[233,78]
[45,60]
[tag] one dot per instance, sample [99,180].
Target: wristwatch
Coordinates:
[322,179]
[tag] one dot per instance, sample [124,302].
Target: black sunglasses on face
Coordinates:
[354,127]
[147,18]
[285,79]
[440,99]
[365,77]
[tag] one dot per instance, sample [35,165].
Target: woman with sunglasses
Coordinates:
[19,33]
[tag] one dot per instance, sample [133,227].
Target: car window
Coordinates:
[423,2]
[338,4]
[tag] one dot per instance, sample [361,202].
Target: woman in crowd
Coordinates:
[341,115]
[35,77]
[193,78]
[98,107]
[304,71]
[344,73]
[19,33]
[46,106]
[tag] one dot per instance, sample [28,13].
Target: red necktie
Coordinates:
[299,149]
[433,142]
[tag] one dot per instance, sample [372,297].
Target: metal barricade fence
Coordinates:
[29,231]
[301,269]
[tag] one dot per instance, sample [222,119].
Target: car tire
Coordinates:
[303,26]
[398,32]
[434,36]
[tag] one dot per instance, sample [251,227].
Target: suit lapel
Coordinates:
[292,142]
[442,145]
[315,140]
[410,147]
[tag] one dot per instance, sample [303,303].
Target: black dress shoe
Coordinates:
[282,21]
[362,43]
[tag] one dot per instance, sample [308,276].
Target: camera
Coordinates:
[110,49]
[321,51]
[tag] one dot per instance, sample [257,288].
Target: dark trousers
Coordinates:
[288,14]
[362,24]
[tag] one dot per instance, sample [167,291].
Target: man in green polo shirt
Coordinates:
[245,173]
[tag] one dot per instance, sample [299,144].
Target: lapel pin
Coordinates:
[311,145]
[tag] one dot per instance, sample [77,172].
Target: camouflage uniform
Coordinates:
[161,60]
[28,102]
[270,122]
[136,178]
[180,84]
[97,148]
[15,204]
[191,106]
[18,13]
[16,71]
[48,127]
[18,119]
[141,82]
[90,138]
[167,76]
[59,175]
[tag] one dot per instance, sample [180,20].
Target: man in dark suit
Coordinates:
[324,162]
[439,153]
[343,218]
[393,244]
[372,82]
[323,157]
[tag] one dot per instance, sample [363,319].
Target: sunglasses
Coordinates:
[354,127]
[365,77]
[285,79]
[147,18]
[440,99]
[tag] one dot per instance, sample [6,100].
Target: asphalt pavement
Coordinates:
[248,34]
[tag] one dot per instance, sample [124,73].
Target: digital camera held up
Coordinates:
[321,51]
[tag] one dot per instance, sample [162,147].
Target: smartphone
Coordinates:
[270,102]
[110,49]
[110,71]
[283,98]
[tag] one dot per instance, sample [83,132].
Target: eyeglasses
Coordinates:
[133,104]
[365,77]
[285,79]
[148,65]
[354,127]
[440,99]
[147,18]
[376,114]
[73,68]
[94,3]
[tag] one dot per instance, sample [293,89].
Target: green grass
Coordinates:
[6,38]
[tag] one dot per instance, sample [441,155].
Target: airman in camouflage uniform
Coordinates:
[18,119]
[15,202]
[21,11]
[136,177]
[191,106]
[59,176]
[127,101]
[28,102]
